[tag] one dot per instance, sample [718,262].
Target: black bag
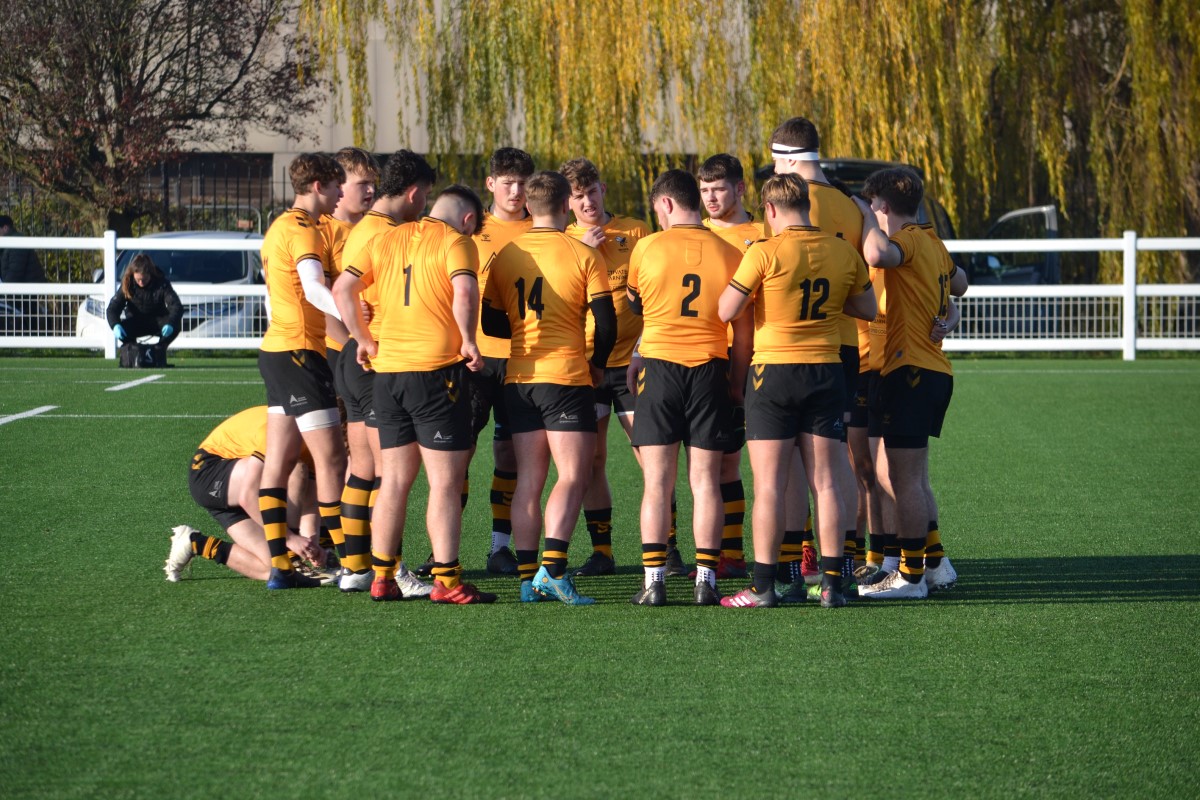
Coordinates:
[138,355]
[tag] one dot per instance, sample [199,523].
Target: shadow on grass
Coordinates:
[1101,579]
[1078,579]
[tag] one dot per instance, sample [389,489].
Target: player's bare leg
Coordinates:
[827,463]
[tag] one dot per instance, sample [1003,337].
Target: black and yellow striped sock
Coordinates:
[384,566]
[764,577]
[934,552]
[554,557]
[211,547]
[466,491]
[790,551]
[733,495]
[831,567]
[891,545]
[807,536]
[527,565]
[654,556]
[848,553]
[912,559]
[875,553]
[356,524]
[707,559]
[272,504]
[860,547]
[331,521]
[503,486]
[449,574]
[599,528]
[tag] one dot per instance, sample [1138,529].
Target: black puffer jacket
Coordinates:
[150,303]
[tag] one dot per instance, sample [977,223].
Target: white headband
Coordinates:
[793,153]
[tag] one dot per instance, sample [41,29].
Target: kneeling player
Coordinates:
[675,280]
[224,480]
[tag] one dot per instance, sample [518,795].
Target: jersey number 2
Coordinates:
[692,281]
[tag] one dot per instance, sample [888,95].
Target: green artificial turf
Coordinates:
[1064,663]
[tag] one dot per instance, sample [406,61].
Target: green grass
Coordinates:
[1064,664]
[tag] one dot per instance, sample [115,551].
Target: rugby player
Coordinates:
[539,288]
[916,380]
[358,192]
[799,282]
[723,189]
[407,179]
[428,303]
[675,279]
[301,404]
[224,481]
[508,171]
[795,146]
[615,237]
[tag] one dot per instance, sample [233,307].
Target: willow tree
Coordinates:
[1091,104]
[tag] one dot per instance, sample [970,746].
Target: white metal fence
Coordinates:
[1126,317]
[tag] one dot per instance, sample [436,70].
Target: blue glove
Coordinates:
[119,332]
[167,330]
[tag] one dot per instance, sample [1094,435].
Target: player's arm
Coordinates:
[605,315]
[312,280]
[739,357]
[635,300]
[878,250]
[733,302]
[495,321]
[862,305]
[958,282]
[346,290]
[465,307]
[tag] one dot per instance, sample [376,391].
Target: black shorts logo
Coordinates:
[216,490]
[440,438]
[565,417]
[758,378]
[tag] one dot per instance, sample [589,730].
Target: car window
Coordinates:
[195,266]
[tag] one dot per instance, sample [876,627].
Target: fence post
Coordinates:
[110,284]
[1129,297]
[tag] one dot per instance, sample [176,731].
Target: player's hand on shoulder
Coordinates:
[594,237]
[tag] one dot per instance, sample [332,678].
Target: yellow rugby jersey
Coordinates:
[679,275]
[834,212]
[370,226]
[296,324]
[742,235]
[877,328]
[799,279]
[621,234]
[412,265]
[918,291]
[544,280]
[241,436]
[335,233]
[495,234]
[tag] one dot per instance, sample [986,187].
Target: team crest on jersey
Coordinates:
[487,237]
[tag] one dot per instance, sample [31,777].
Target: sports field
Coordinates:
[1065,663]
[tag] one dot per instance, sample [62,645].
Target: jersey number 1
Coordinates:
[407,283]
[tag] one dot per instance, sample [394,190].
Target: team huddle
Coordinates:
[810,338]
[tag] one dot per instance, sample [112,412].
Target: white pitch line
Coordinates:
[123,386]
[132,416]
[26,414]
